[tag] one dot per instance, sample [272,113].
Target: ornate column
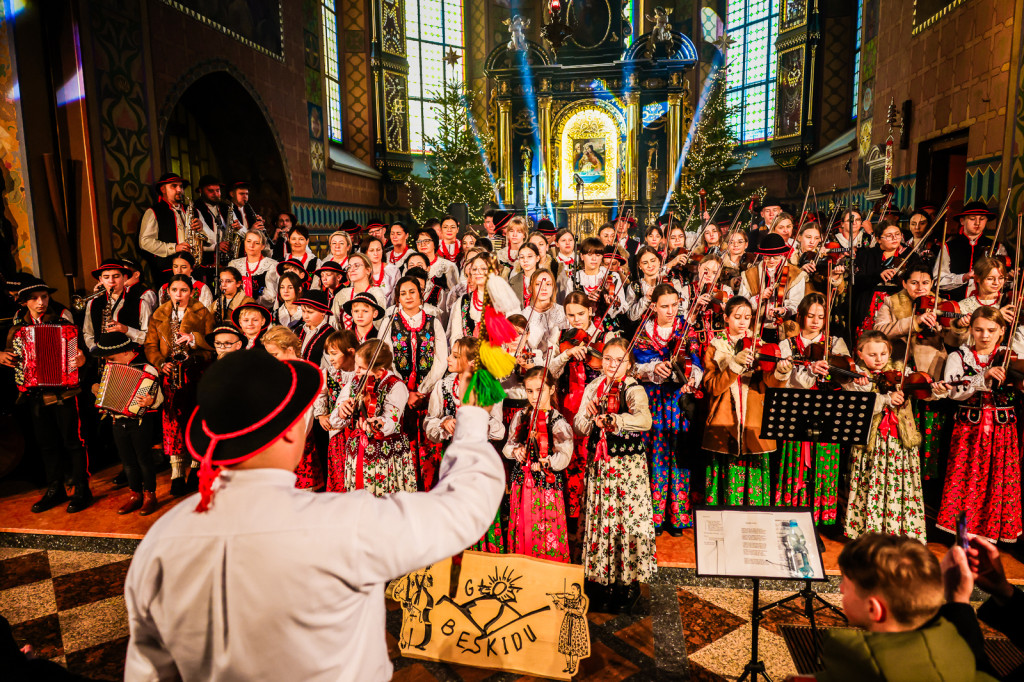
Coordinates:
[630,162]
[675,127]
[544,125]
[505,151]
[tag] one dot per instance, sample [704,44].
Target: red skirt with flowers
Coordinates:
[310,475]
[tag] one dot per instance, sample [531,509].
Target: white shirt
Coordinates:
[136,335]
[275,583]
[436,413]
[265,265]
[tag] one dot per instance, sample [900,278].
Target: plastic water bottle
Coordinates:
[796,551]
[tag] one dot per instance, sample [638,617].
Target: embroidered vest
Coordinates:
[414,350]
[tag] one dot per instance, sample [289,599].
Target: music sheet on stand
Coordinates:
[757,544]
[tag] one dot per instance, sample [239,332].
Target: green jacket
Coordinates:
[932,653]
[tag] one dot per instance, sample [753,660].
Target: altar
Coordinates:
[592,127]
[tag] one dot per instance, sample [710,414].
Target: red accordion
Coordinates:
[46,356]
[122,388]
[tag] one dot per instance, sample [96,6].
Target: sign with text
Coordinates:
[510,612]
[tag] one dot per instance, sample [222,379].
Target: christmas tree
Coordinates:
[712,161]
[455,171]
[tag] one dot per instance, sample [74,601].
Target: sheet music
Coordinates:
[757,544]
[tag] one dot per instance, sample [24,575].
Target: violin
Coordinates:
[766,355]
[914,385]
[834,251]
[945,312]
[842,366]
[1014,366]
[571,338]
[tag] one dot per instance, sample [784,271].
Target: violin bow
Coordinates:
[942,250]
[536,410]
[999,225]
[803,211]
[938,218]
[369,368]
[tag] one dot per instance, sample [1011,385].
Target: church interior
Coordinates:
[580,110]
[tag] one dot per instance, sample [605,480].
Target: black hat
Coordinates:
[772,244]
[111,343]
[611,252]
[367,298]
[664,219]
[330,266]
[545,226]
[316,298]
[167,178]
[291,261]
[240,184]
[268,318]
[975,208]
[244,403]
[112,264]
[772,201]
[208,181]
[501,218]
[225,328]
[375,225]
[351,226]
[130,264]
[16,281]
[32,285]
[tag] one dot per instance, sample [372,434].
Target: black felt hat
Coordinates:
[545,226]
[244,403]
[32,285]
[268,318]
[330,266]
[367,298]
[208,181]
[375,225]
[240,184]
[167,178]
[772,244]
[297,265]
[772,201]
[225,328]
[316,298]
[501,218]
[113,264]
[611,252]
[111,343]
[975,208]
[351,227]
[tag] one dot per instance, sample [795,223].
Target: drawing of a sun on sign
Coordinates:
[509,612]
[589,158]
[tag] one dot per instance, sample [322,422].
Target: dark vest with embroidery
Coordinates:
[554,480]
[414,350]
[468,323]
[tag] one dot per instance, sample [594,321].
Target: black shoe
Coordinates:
[54,495]
[658,531]
[598,596]
[630,598]
[178,487]
[80,501]
[674,532]
[120,481]
[192,483]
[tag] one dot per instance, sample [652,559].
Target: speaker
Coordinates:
[460,212]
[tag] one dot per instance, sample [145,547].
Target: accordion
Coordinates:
[121,389]
[46,356]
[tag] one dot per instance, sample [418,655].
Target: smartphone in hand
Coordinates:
[961,531]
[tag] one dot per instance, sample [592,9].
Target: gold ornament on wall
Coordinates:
[588,141]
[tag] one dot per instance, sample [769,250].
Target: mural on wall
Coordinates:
[257,23]
[314,97]
[16,216]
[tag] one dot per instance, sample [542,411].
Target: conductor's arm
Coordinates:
[407,531]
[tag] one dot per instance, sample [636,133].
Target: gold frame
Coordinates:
[595,119]
[782,17]
[778,88]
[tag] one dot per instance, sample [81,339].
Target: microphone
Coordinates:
[577,179]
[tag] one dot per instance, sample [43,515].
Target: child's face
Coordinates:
[592,261]
[612,363]
[179,292]
[336,358]
[228,284]
[329,279]
[874,355]
[312,317]
[815,320]
[359,367]
[578,316]
[666,308]
[457,360]
[226,343]
[739,320]
[362,315]
[250,322]
[280,353]
[538,397]
[985,333]
[38,302]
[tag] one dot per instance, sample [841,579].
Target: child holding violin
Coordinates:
[983,475]
[774,285]
[668,367]
[809,472]
[739,472]
[618,540]
[885,481]
[989,278]
[703,301]
[540,443]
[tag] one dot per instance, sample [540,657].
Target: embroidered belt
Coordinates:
[973,415]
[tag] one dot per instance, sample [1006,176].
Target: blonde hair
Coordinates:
[518,223]
[282,337]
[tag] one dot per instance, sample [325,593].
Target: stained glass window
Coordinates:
[332,70]
[753,26]
[434,36]
[856,57]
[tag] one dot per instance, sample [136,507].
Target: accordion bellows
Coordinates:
[122,388]
[46,354]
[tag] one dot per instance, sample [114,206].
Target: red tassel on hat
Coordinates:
[499,329]
[207,476]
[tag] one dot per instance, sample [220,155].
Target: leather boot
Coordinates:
[149,504]
[192,486]
[80,500]
[178,486]
[53,496]
[133,503]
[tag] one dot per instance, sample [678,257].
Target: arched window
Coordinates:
[436,47]
[332,70]
[753,25]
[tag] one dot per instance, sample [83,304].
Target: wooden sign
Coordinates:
[510,612]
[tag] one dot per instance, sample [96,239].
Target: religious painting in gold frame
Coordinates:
[587,135]
[794,14]
[789,95]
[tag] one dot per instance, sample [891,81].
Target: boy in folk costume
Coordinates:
[377,454]
[123,309]
[664,347]
[541,445]
[337,367]
[53,412]
[226,338]
[777,278]
[253,320]
[739,472]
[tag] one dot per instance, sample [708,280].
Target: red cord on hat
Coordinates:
[207,474]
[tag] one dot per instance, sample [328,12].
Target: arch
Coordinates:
[596,123]
[235,121]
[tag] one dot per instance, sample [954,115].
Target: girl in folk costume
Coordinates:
[604,289]
[420,348]
[885,481]
[253,319]
[618,539]
[443,271]
[989,278]
[565,256]
[231,294]
[573,369]
[519,280]
[774,285]
[663,349]
[648,263]
[288,312]
[809,472]
[176,345]
[259,273]
[364,311]
[449,246]
[340,357]
[465,316]
[182,263]
[808,257]
[359,283]
[399,250]
[377,455]
[876,271]
[449,299]
[340,246]
[710,242]
[284,344]
[983,477]
[539,239]
[540,441]
[703,301]
[739,472]
[735,259]
[329,278]
[382,275]
[515,236]
[545,319]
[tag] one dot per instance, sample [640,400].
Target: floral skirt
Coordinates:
[493,540]
[930,422]
[809,470]
[743,480]
[310,476]
[983,479]
[336,463]
[618,538]
[885,490]
[536,525]
[425,454]
[382,475]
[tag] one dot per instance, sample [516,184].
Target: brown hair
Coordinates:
[989,313]
[813,298]
[282,337]
[874,336]
[984,266]
[518,321]
[343,341]
[900,570]
[470,347]
[578,298]
[619,342]
[369,349]
[533,282]
[535,372]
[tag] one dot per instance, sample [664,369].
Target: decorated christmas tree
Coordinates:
[713,162]
[455,170]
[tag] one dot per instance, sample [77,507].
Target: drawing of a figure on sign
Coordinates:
[589,156]
[573,636]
